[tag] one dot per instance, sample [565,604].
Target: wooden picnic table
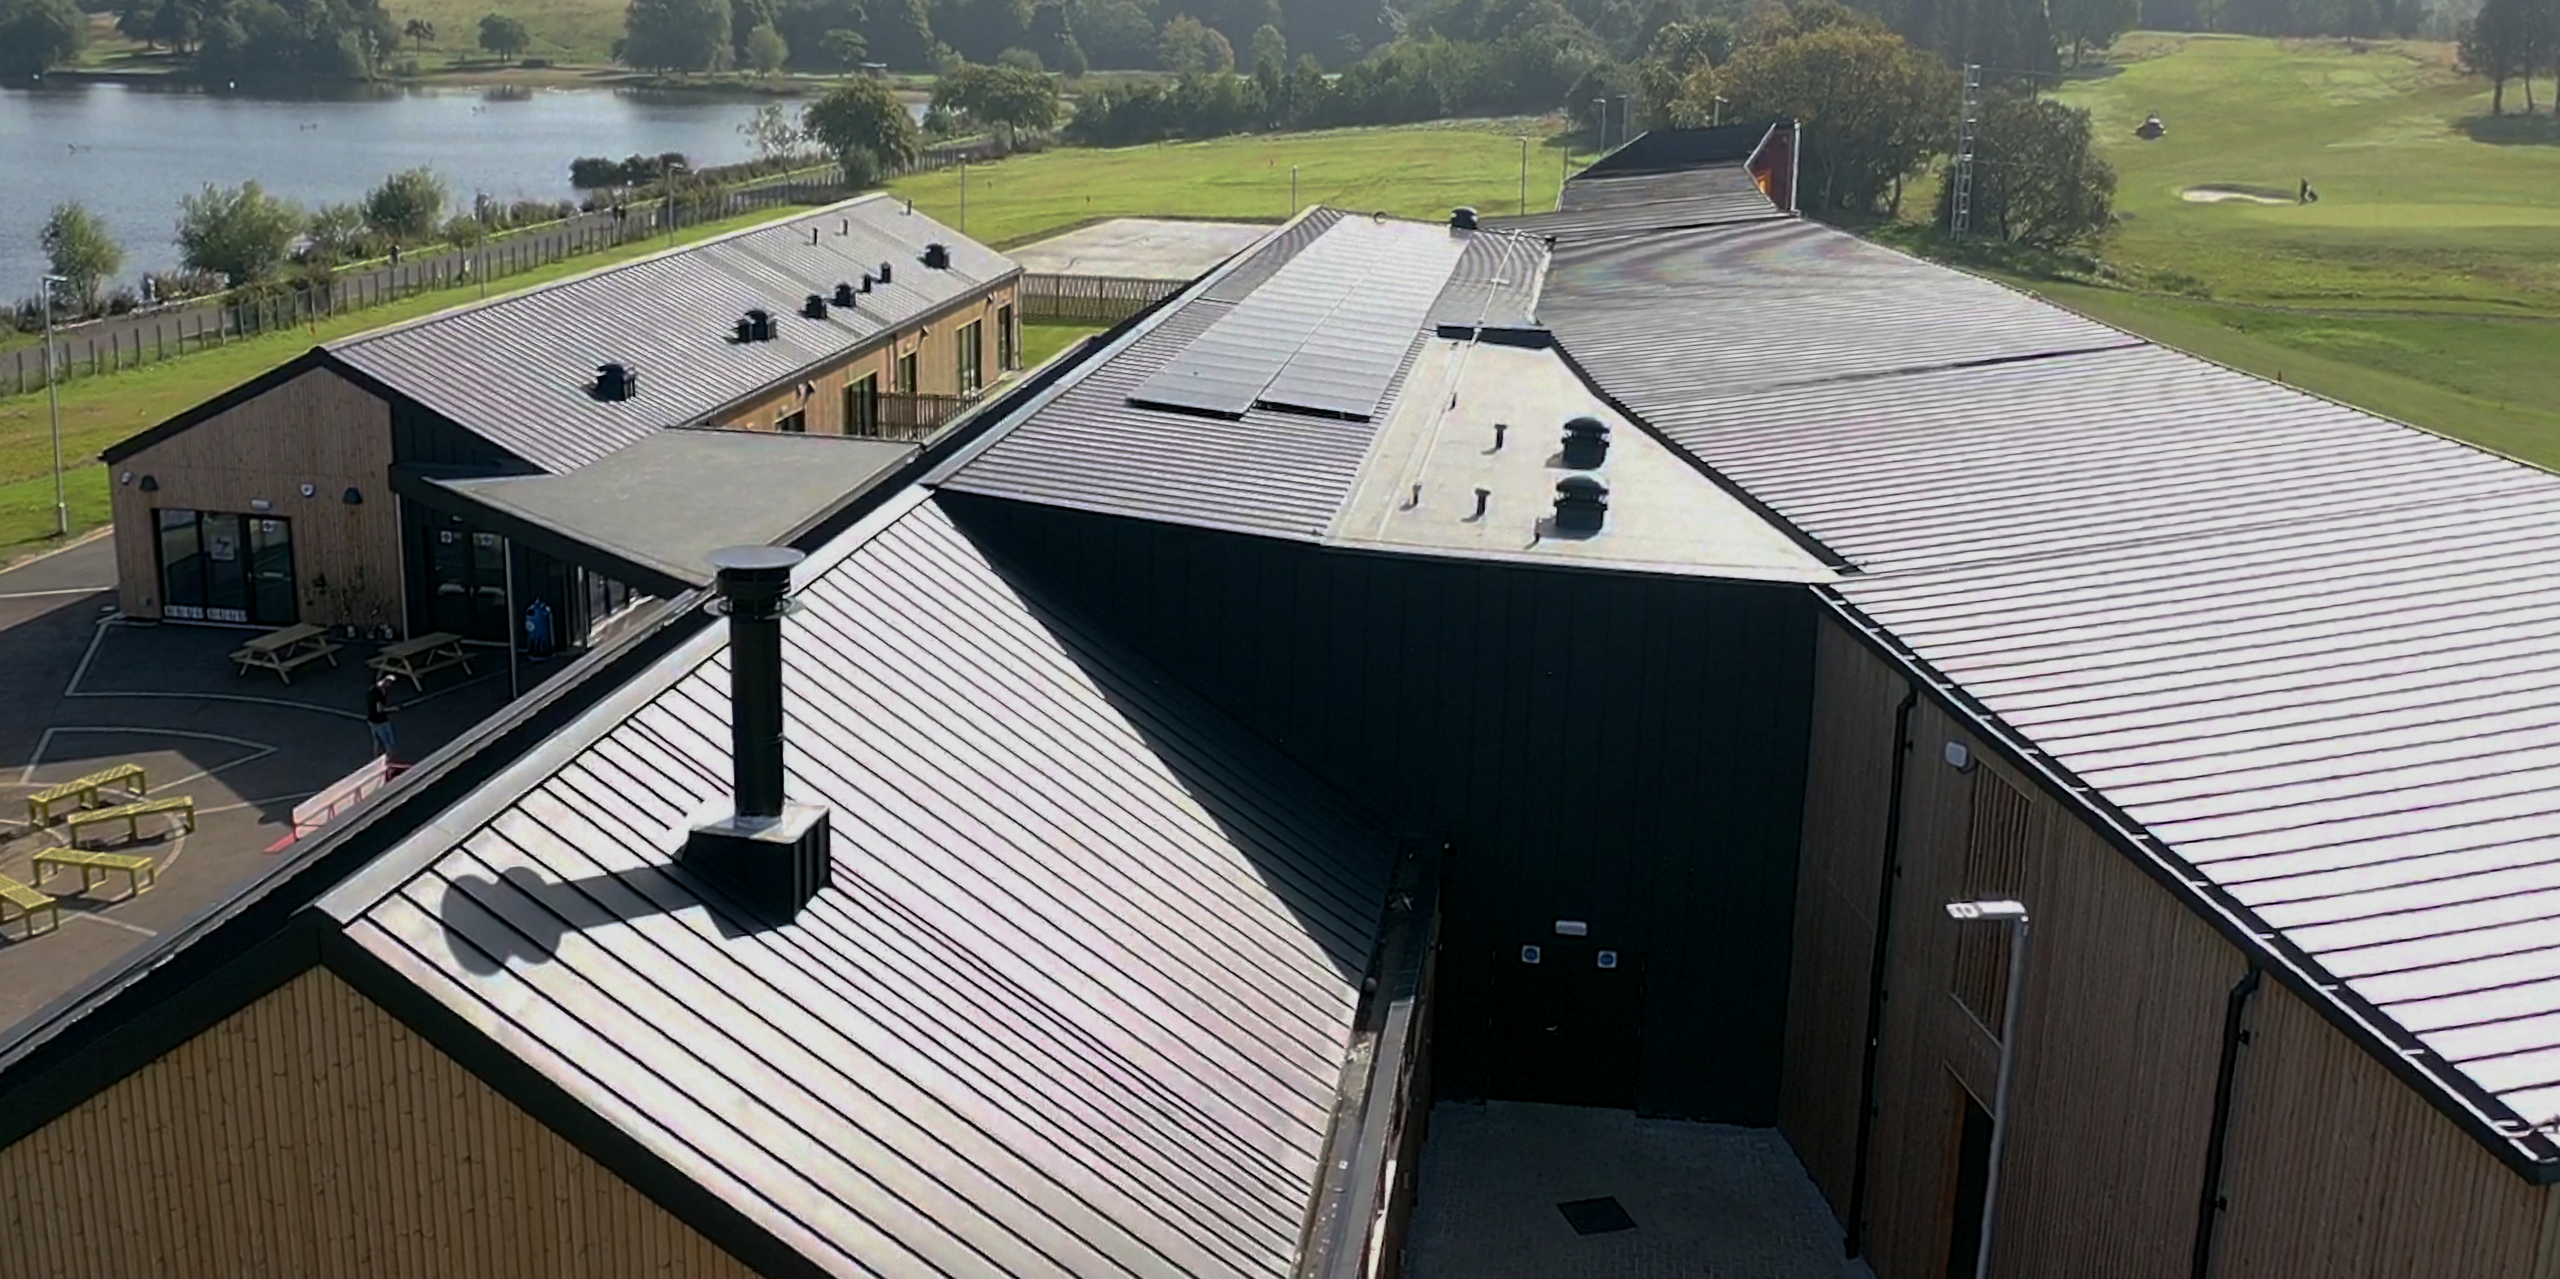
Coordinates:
[282,650]
[414,659]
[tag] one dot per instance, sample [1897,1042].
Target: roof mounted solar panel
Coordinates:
[1325,334]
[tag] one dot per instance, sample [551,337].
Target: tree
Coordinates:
[176,25]
[864,126]
[78,248]
[1071,60]
[504,36]
[2509,40]
[1872,108]
[1269,46]
[240,233]
[418,31]
[1186,47]
[337,233]
[39,35]
[2093,24]
[2037,178]
[1007,98]
[408,204]
[844,47]
[1117,34]
[772,130]
[676,35]
[767,50]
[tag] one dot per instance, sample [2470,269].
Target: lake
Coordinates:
[129,153]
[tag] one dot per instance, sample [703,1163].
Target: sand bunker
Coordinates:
[2246,195]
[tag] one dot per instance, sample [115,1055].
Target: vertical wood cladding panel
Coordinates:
[317,429]
[310,1134]
[1848,783]
[2335,1167]
[1621,749]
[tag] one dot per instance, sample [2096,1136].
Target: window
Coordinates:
[217,567]
[862,405]
[972,350]
[795,422]
[906,383]
[2002,828]
[1008,341]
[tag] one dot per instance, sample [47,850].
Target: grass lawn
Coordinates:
[562,30]
[1417,171]
[99,411]
[2423,284]
[1040,341]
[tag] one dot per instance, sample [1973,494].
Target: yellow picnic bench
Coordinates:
[281,651]
[83,791]
[139,872]
[30,903]
[132,814]
[414,659]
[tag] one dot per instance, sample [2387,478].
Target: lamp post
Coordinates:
[964,195]
[674,171]
[2014,914]
[1524,173]
[1718,118]
[1293,190]
[53,402]
[1603,104]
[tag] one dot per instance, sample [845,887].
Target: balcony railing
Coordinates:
[914,417]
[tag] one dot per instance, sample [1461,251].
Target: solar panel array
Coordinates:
[1324,335]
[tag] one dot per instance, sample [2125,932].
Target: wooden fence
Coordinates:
[1089,299]
[128,341]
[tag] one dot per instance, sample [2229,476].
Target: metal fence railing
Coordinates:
[1089,299]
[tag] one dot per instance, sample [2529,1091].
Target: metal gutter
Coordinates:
[2526,1149]
[1854,1239]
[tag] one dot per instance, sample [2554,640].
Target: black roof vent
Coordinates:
[884,273]
[814,306]
[616,382]
[1582,504]
[844,294]
[1463,218]
[937,257]
[755,326]
[866,281]
[1586,443]
[773,854]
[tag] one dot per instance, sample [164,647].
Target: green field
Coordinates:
[2423,284]
[97,412]
[1415,171]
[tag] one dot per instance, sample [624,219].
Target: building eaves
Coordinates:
[515,370]
[1074,1004]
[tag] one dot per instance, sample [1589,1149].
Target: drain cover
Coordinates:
[1596,1216]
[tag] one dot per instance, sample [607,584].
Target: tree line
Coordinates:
[2512,40]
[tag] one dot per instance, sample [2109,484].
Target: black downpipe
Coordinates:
[2210,1205]
[1856,1225]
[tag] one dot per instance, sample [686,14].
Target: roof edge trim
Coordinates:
[2526,1150]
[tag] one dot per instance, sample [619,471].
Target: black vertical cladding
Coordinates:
[1626,750]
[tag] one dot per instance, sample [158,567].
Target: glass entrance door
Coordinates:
[466,581]
[216,566]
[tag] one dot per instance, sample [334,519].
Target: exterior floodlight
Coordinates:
[1999,912]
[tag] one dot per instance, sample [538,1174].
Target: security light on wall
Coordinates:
[126,478]
[1997,912]
[310,490]
[1959,757]
[261,504]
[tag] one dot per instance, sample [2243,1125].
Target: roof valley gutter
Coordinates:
[2525,1148]
[1853,1241]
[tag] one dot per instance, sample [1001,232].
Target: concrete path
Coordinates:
[1139,249]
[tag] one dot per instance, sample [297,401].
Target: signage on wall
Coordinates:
[222,547]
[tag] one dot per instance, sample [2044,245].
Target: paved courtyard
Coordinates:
[84,689]
[1138,248]
[1707,1201]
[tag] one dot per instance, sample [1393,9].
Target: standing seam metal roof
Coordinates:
[1074,1003]
[2306,651]
[515,370]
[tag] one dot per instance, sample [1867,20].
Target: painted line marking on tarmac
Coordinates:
[95,918]
[259,750]
[81,672]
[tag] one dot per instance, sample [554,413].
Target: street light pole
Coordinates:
[1524,174]
[964,195]
[53,402]
[2014,915]
[1293,190]
[1603,104]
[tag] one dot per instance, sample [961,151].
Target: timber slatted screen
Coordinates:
[1094,299]
[1995,861]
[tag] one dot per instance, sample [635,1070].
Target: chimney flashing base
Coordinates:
[775,864]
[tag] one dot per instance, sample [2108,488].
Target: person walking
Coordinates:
[377,715]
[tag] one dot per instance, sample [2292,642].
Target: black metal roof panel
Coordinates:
[1495,285]
[1673,321]
[1682,150]
[515,370]
[1074,1003]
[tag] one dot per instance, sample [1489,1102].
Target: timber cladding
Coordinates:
[311,1134]
[2334,1167]
[934,343]
[317,429]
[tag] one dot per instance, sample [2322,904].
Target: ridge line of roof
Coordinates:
[609,268]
